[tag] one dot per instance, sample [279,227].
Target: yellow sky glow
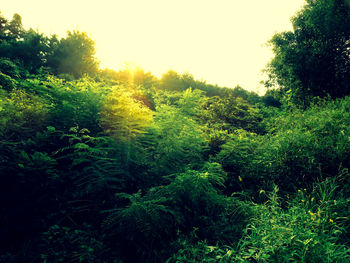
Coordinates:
[222,41]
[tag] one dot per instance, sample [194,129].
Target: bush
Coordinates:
[71,245]
[149,223]
[309,230]
[6,82]
[240,159]
[21,114]
[123,115]
[72,103]
[173,142]
[9,68]
[299,148]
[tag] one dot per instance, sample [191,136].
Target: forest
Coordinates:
[106,166]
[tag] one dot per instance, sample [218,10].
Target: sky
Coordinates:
[221,42]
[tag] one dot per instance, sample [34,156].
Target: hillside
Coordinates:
[99,165]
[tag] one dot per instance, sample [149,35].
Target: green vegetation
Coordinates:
[313,59]
[105,166]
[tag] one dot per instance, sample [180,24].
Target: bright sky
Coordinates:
[221,41]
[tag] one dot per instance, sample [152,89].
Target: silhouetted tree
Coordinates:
[314,58]
[172,81]
[74,55]
[28,48]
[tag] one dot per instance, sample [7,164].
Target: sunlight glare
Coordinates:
[221,41]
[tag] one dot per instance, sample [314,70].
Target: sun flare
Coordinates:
[219,42]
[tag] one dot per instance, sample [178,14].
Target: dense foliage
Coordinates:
[105,166]
[313,59]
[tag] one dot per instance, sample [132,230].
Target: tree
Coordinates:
[131,74]
[15,28]
[74,55]
[231,113]
[172,81]
[31,50]
[145,79]
[3,22]
[11,30]
[26,47]
[314,58]
[249,96]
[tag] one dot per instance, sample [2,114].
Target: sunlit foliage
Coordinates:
[21,114]
[123,115]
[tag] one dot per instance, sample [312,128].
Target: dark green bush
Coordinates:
[9,68]
[300,147]
[6,82]
[149,223]
[64,244]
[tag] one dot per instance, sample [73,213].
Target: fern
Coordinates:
[94,163]
[123,116]
[143,227]
[173,142]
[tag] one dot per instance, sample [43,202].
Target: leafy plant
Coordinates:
[306,231]
[123,116]
[64,244]
[21,114]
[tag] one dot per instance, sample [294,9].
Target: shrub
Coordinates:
[21,114]
[149,223]
[72,103]
[64,244]
[300,148]
[309,230]
[173,142]
[6,82]
[9,68]
[123,116]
